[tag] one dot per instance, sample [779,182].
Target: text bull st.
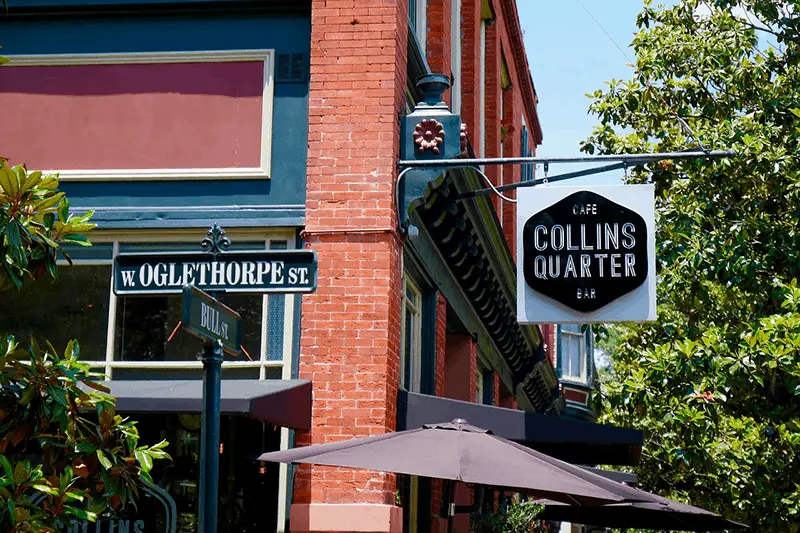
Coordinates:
[216,273]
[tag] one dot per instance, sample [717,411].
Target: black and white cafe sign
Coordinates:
[257,271]
[586,254]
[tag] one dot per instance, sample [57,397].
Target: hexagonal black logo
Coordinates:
[585,251]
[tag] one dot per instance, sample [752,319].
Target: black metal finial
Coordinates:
[215,242]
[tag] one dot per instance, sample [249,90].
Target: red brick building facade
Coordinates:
[352,326]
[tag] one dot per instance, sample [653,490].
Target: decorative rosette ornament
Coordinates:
[428,135]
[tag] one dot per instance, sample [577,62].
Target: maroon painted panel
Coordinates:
[135,116]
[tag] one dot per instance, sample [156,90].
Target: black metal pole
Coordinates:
[209,447]
[631,159]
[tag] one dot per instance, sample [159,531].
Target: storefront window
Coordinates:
[248,488]
[73,307]
[139,337]
[145,328]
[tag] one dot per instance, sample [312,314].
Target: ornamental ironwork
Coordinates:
[428,135]
[216,241]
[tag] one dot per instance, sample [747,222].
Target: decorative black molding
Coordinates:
[216,241]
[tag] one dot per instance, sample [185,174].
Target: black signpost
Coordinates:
[216,270]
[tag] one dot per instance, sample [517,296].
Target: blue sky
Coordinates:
[570,56]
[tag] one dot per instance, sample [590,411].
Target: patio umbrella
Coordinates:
[662,514]
[459,452]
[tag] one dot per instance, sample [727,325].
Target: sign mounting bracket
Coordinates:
[416,174]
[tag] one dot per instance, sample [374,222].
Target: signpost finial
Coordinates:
[216,241]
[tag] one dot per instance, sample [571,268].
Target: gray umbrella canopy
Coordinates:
[460,452]
[662,515]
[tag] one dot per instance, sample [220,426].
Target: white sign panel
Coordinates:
[586,254]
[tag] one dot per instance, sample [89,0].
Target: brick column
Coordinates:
[350,341]
[470,65]
[460,384]
[439,19]
[492,111]
[438,523]
[512,146]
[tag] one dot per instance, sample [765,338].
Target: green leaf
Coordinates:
[63,209]
[9,472]
[80,513]
[81,240]
[96,386]
[103,460]
[144,460]
[33,179]
[49,202]
[9,182]
[47,489]
[21,473]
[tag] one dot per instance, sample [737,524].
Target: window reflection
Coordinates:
[573,351]
[73,307]
[145,328]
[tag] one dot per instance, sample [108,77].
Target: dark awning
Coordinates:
[283,402]
[569,440]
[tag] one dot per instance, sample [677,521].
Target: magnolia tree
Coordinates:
[64,452]
[715,382]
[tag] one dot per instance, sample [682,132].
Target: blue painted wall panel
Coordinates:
[278,201]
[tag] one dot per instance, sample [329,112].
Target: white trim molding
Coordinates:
[171,174]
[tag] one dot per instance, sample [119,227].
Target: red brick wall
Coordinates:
[492,112]
[350,341]
[438,49]
[499,45]
[441,344]
[470,68]
[462,367]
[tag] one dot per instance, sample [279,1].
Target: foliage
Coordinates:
[715,382]
[518,517]
[81,465]
[34,222]
[64,452]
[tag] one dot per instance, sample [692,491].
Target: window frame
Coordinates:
[585,345]
[261,172]
[412,373]
[168,238]
[418,22]
[455,56]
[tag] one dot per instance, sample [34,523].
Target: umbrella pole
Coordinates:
[451,499]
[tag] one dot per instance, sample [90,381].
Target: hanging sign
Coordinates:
[207,318]
[257,271]
[586,254]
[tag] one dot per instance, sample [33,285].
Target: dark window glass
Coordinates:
[145,325]
[248,489]
[74,307]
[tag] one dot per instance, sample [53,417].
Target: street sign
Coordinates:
[587,254]
[207,318]
[256,271]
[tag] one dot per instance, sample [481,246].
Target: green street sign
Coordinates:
[248,271]
[207,318]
